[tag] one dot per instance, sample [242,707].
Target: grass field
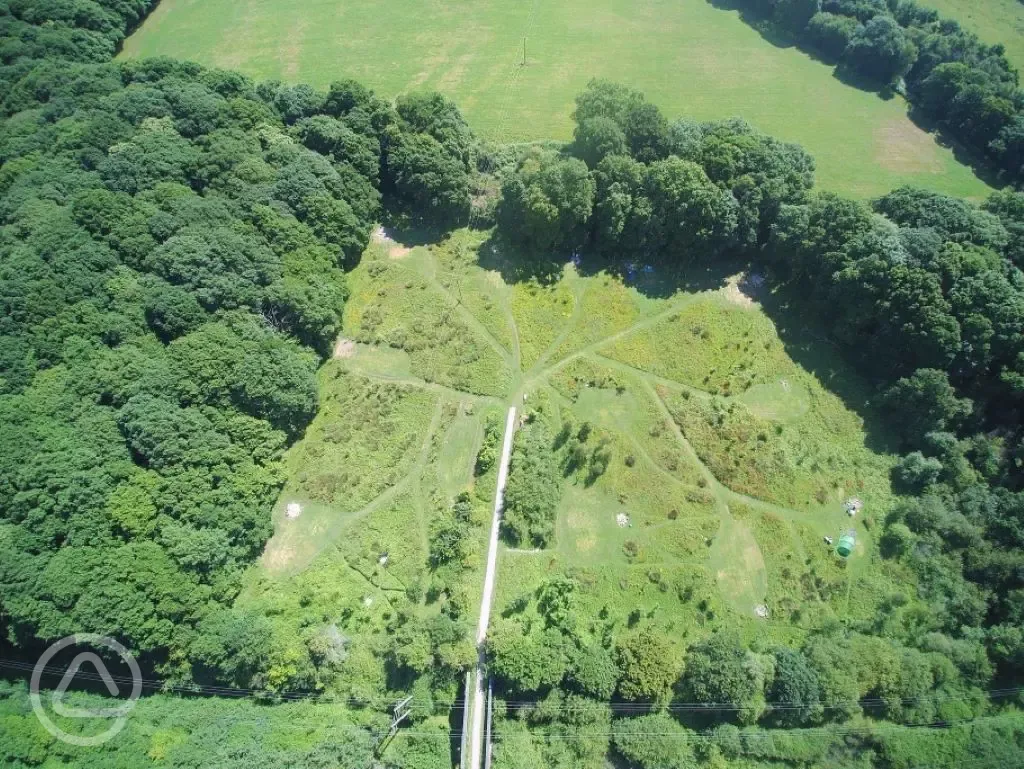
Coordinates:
[690,58]
[730,460]
[994,21]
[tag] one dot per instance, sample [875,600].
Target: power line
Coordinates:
[690,737]
[620,707]
[227,691]
[732,706]
[706,736]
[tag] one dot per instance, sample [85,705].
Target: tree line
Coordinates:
[948,74]
[635,690]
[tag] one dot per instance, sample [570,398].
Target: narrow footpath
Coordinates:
[478,692]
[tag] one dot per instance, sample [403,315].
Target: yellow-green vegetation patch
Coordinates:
[349,613]
[624,517]
[681,540]
[681,598]
[632,484]
[814,460]
[784,563]
[807,581]
[379,361]
[492,420]
[482,292]
[294,544]
[710,344]
[458,450]
[520,572]
[607,307]
[581,374]
[541,312]
[828,574]
[363,442]
[388,547]
[394,304]
[646,433]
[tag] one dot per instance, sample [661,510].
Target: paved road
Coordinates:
[477,727]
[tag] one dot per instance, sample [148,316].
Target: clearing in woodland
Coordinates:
[700,466]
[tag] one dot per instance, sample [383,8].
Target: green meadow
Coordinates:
[690,58]
[729,462]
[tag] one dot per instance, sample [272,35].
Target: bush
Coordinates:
[533,489]
[648,666]
[915,472]
[830,33]
[881,50]
[546,203]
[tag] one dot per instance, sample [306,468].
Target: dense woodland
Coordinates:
[173,242]
[172,250]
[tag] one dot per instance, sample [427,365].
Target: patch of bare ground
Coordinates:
[344,348]
[742,289]
[395,249]
[902,147]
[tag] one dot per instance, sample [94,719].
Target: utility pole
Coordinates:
[463,751]
[524,51]
[402,710]
[489,745]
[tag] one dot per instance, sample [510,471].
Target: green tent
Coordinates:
[846,543]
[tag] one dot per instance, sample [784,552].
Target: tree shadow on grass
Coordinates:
[412,231]
[798,329]
[978,164]
[519,265]
[853,79]
[656,279]
[806,344]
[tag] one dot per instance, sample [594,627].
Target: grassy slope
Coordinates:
[689,57]
[699,554]
[730,458]
[994,21]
